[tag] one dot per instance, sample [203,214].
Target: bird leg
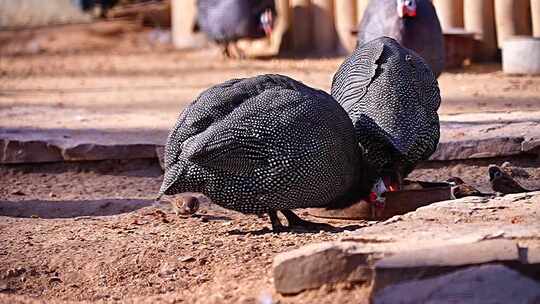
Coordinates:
[225,51]
[296,222]
[277,227]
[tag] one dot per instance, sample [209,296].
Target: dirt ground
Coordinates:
[91,231]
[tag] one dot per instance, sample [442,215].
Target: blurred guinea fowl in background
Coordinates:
[392,98]
[226,21]
[413,23]
[265,144]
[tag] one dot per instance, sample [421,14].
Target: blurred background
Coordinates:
[474,30]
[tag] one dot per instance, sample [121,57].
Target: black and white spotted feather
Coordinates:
[421,33]
[392,97]
[229,20]
[263,144]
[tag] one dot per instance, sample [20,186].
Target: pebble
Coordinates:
[187,258]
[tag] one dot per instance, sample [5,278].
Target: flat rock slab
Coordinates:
[78,135]
[480,284]
[421,245]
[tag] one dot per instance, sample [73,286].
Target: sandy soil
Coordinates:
[90,232]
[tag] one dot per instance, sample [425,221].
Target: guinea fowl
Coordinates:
[226,21]
[413,23]
[392,98]
[265,144]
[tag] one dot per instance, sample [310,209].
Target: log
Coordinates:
[523,17]
[281,38]
[184,17]
[324,32]
[511,18]
[301,25]
[479,18]
[345,18]
[450,13]
[360,8]
[535,14]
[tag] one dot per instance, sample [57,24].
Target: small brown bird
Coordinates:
[514,171]
[461,189]
[502,182]
[186,205]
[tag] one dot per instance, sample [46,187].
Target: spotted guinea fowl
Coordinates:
[392,98]
[413,23]
[264,144]
[226,21]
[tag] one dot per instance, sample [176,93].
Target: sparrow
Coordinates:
[502,182]
[514,171]
[461,189]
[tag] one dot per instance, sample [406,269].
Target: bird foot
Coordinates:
[296,224]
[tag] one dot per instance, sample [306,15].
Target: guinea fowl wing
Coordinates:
[351,81]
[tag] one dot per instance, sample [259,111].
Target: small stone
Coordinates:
[187,258]
[166,270]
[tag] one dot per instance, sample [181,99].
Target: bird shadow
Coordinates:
[70,208]
[266,230]
[209,217]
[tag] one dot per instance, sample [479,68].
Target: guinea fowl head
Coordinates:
[265,11]
[406,8]
[267,21]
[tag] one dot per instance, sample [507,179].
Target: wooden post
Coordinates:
[345,17]
[360,8]
[301,25]
[523,17]
[509,15]
[450,13]
[535,14]
[479,18]
[184,17]
[324,32]
[281,34]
